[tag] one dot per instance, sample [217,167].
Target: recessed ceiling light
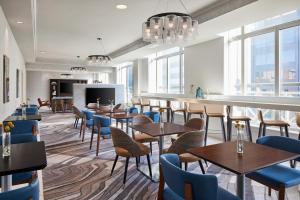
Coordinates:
[20,22]
[43,52]
[121,6]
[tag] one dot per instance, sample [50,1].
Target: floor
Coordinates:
[74,171]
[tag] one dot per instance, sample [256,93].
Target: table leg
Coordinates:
[240,186]
[127,131]
[161,144]
[6,183]
[228,109]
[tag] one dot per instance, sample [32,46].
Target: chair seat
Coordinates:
[143,138]
[195,111]
[240,118]
[276,123]
[215,115]
[277,175]
[144,150]
[187,157]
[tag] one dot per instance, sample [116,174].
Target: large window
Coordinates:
[125,77]
[165,71]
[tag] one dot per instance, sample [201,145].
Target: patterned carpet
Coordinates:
[74,172]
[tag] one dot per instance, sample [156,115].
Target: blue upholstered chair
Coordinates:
[130,110]
[24,177]
[101,128]
[176,184]
[28,192]
[29,111]
[25,127]
[88,121]
[155,116]
[278,177]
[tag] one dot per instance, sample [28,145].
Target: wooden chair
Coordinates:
[154,104]
[78,116]
[43,103]
[126,147]
[231,119]
[178,107]
[144,103]
[164,106]
[187,141]
[142,137]
[214,111]
[135,101]
[195,109]
[265,123]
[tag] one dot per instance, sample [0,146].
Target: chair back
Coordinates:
[155,116]
[28,192]
[122,140]
[195,123]
[28,110]
[214,108]
[163,104]
[88,114]
[202,186]
[145,101]
[116,107]
[135,101]
[282,143]
[175,105]
[24,138]
[187,141]
[154,102]
[77,112]
[101,121]
[141,119]
[92,106]
[40,101]
[25,127]
[260,116]
[133,110]
[298,119]
[195,106]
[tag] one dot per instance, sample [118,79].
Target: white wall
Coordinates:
[204,66]
[9,47]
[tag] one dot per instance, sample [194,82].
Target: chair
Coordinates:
[278,177]
[23,177]
[28,192]
[43,103]
[154,104]
[194,109]
[142,137]
[187,141]
[155,116]
[92,106]
[214,111]
[28,110]
[176,184]
[277,123]
[165,106]
[102,124]
[135,101]
[25,127]
[144,103]
[178,107]
[126,147]
[195,123]
[122,121]
[88,121]
[231,119]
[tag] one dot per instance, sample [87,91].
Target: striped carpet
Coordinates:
[74,172]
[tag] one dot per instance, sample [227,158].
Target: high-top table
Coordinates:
[24,157]
[255,157]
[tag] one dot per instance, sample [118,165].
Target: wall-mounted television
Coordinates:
[66,87]
[106,95]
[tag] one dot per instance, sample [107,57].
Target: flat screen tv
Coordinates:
[105,95]
[66,88]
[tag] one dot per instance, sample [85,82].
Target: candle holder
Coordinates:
[240,138]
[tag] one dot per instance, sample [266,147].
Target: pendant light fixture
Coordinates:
[78,69]
[170,27]
[99,59]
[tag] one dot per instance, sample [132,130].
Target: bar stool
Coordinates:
[214,111]
[264,123]
[178,107]
[135,101]
[144,103]
[164,105]
[196,109]
[154,104]
[231,119]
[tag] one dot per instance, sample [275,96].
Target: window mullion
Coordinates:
[277,64]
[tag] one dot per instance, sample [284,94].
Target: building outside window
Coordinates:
[125,77]
[166,71]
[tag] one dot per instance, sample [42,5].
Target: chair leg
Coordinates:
[185,166]
[223,129]
[264,130]
[281,194]
[81,127]
[151,147]
[281,131]
[83,132]
[286,131]
[180,165]
[114,165]
[172,116]
[229,129]
[269,191]
[189,116]
[137,162]
[149,165]
[91,141]
[76,126]
[259,130]
[206,130]
[249,130]
[184,116]
[201,166]
[126,167]
[98,142]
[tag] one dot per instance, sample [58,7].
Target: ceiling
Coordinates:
[56,31]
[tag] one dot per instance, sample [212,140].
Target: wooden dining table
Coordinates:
[155,130]
[255,157]
[126,116]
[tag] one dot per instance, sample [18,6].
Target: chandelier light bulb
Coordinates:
[171,24]
[184,25]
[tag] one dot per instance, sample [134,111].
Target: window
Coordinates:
[165,71]
[125,77]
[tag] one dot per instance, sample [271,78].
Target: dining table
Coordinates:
[24,157]
[254,157]
[122,116]
[159,130]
